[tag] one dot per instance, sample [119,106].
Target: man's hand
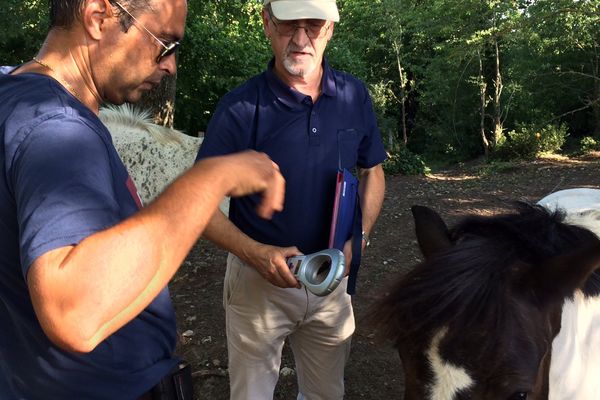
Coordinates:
[269,261]
[256,173]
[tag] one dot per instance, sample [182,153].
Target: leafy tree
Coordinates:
[449,79]
[224,45]
[559,64]
[24,27]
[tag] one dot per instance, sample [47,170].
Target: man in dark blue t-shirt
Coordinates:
[311,120]
[84,308]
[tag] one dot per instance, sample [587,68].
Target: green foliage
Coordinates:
[423,55]
[223,47]
[529,142]
[402,161]
[381,96]
[24,26]
[554,61]
[588,144]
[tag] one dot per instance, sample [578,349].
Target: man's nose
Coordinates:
[169,64]
[301,34]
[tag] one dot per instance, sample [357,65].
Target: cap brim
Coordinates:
[293,9]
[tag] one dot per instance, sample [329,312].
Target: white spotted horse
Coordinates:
[154,155]
[503,307]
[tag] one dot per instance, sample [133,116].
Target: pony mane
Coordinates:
[470,281]
[126,117]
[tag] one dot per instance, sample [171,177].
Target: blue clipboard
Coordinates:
[346,222]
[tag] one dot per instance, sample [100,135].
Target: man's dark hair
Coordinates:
[63,13]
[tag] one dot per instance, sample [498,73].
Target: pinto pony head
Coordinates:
[476,319]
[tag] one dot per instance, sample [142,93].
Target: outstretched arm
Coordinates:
[83,293]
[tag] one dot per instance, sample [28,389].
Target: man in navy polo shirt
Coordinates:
[84,308]
[310,119]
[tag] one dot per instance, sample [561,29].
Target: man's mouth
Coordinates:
[299,52]
[150,84]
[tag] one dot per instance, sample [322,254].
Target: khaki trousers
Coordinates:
[260,316]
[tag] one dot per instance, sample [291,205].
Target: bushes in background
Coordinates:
[528,142]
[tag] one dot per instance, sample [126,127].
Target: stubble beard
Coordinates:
[296,68]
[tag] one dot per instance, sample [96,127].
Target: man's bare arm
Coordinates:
[372,190]
[82,294]
[268,260]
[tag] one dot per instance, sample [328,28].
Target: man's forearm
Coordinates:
[372,191]
[222,232]
[84,293]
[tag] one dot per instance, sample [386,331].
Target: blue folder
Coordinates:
[346,222]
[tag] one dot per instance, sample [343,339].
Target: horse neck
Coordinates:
[575,369]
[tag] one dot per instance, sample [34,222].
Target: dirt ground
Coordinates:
[374,370]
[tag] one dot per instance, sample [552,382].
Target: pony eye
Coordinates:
[518,396]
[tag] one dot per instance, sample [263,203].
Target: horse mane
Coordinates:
[469,282]
[127,116]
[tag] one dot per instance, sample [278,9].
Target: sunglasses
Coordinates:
[314,28]
[168,48]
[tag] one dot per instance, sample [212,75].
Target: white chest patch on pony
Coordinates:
[575,367]
[448,379]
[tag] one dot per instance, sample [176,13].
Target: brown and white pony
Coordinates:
[504,307]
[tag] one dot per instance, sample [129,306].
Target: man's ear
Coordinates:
[94,16]
[266,28]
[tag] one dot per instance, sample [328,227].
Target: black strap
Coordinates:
[177,385]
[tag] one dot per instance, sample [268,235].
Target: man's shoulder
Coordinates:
[346,79]
[345,75]
[248,90]
[31,103]
[42,96]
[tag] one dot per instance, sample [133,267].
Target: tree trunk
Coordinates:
[482,99]
[160,101]
[596,109]
[402,93]
[498,129]
[596,97]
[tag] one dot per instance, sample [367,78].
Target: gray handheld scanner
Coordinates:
[319,272]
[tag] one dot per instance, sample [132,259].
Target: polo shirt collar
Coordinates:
[292,98]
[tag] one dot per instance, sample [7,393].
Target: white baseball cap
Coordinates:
[304,9]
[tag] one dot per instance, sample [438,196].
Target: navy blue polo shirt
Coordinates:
[62,180]
[309,141]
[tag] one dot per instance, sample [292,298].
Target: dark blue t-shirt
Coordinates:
[61,180]
[308,141]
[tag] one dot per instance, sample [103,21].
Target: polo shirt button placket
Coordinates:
[313,138]
[313,135]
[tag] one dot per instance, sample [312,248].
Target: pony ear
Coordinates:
[432,233]
[559,277]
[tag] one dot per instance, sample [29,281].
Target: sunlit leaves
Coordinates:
[24,26]
[549,57]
